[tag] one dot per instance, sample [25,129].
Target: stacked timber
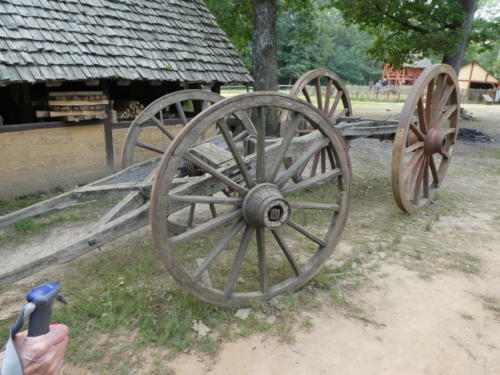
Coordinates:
[127,109]
[73,106]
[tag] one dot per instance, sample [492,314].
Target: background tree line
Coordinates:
[353,37]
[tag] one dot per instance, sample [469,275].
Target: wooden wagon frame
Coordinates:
[252,185]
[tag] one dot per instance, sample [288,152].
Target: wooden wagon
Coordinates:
[239,216]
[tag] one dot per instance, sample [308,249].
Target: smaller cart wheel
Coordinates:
[424,140]
[333,101]
[148,136]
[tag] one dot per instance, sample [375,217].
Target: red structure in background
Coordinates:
[405,76]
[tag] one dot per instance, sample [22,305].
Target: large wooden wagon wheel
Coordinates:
[424,140]
[275,234]
[148,131]
[333,102]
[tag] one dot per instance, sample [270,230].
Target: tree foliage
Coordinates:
[309,37]
[406,30]
[335,45]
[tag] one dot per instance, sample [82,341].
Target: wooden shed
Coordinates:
[65,63]
[405,76]
[474,76]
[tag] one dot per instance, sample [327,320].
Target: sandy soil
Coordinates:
[436,326]
[417,325]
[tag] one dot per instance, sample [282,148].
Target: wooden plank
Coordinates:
[56,203]
[44,125]
[74,113]
[77,102]
[42,114]
[127,223]
[212,154]
[75,93]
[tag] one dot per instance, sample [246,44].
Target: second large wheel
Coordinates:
[272,235]
[427,130]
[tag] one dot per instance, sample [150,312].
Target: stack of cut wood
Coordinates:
[73,106]
[127,109]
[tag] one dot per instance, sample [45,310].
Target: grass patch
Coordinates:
[492,304]
[25,201]
[464,262]
[23,229]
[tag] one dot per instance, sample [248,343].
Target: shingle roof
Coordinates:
[168,40]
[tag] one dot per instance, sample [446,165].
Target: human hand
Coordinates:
[43,354]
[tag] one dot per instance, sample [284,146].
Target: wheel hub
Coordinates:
[264,206]
[435,141]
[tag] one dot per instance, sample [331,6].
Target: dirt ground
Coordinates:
[442,324]
[430,293]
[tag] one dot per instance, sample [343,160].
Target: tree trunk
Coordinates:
[264,54]
[264,50]
[455,60]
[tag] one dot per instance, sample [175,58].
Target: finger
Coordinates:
[34,350]
[48,361]
[56,358]
[56,334]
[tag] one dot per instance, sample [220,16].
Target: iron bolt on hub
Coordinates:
[264,206]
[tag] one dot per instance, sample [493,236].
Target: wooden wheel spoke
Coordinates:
[446,95]
[261,255]
[291,259]
[335,104]
[331,157]
[428,102]
[291,130]
[438,91]
[238,260]
[306,95]
[319,99]
[415,158]
[236,154]
[303,159]
[414,146]
[149,147]
[205,227]
[261,146]
[213,210]
[299,228]
[311,182]
[314,165]
[180,112]
[450,131]
[421,116]
[315,206]
[206,199]
[159,125]
[434,171]
[219,247]
[192,208]
[417,178]
[425,182]
[417,132]
[444,154]
[323,160]
[328,94]
[445,116]
[218,175]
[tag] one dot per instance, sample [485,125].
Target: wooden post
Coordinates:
[108,128]
[216,87]
[197,105]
